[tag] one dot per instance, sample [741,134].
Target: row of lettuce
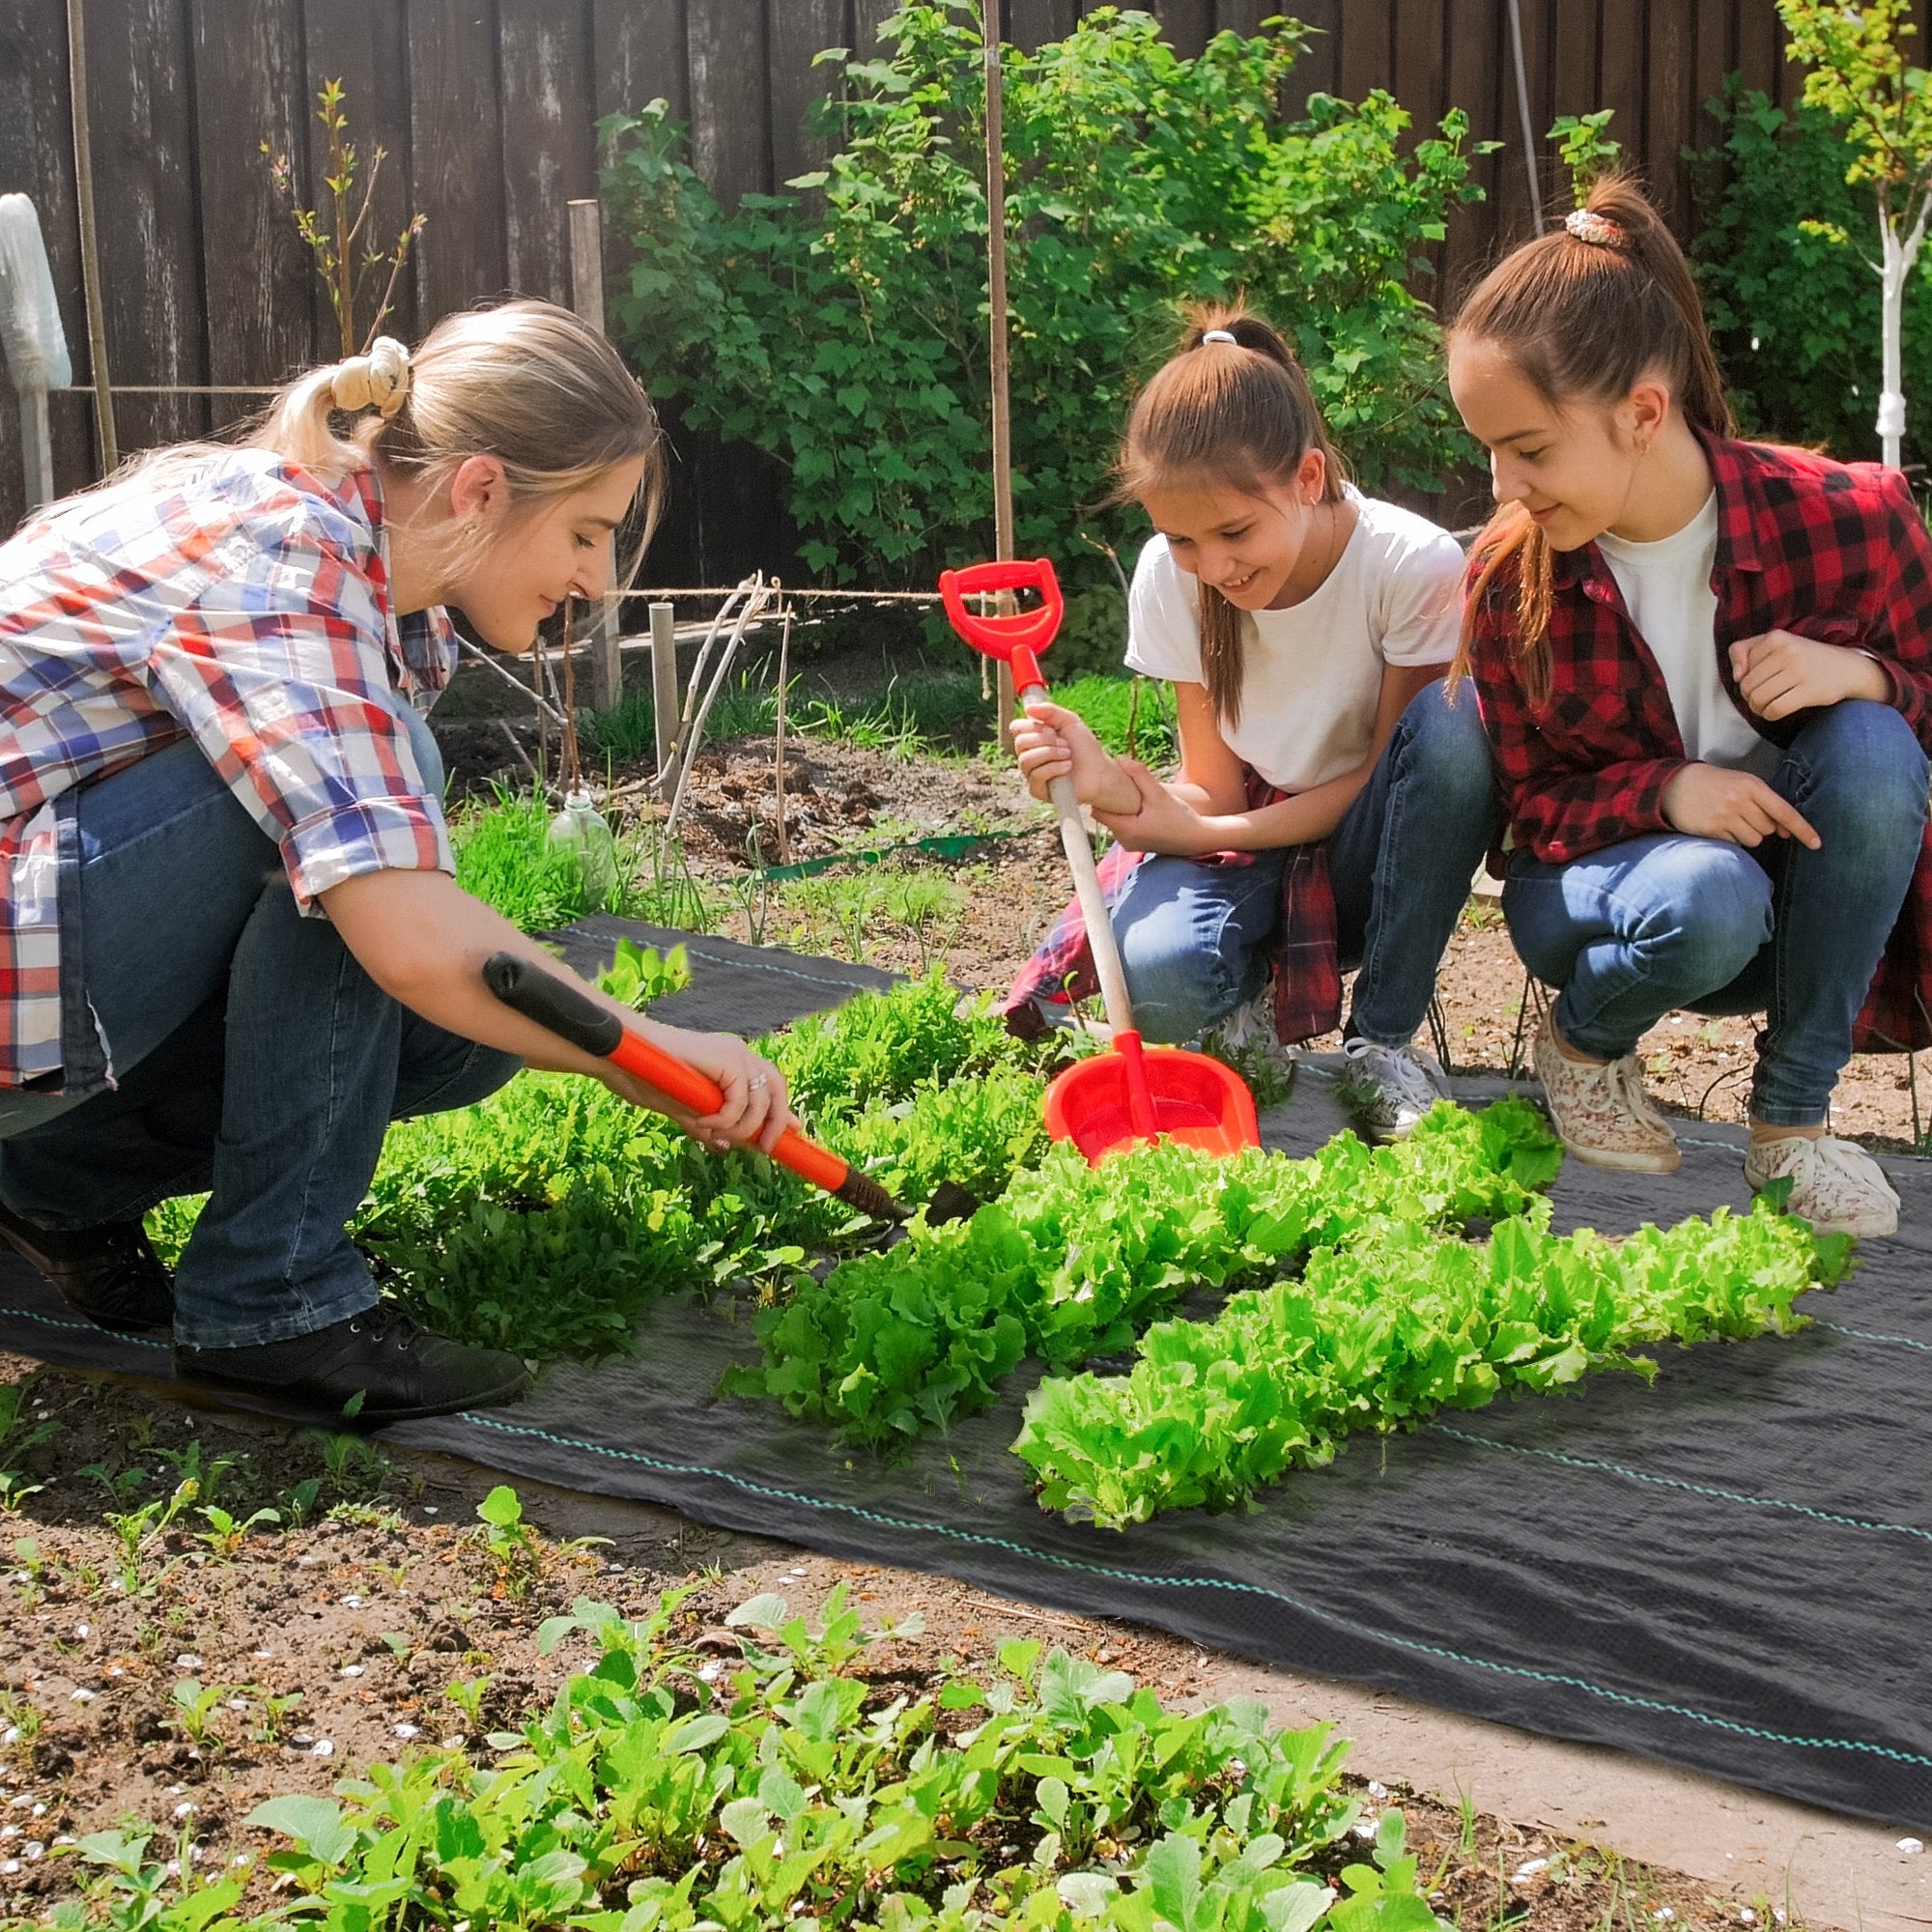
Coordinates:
[1361,1289]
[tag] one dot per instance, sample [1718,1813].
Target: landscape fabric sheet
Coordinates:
[1728,1570]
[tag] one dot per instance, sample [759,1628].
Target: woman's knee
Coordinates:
[1707,931]
[1179,973]
[1861,766]
[1446,746]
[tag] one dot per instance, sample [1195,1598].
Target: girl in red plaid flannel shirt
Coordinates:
[1706,669]
[1331,807]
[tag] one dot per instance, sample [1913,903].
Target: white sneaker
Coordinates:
[1248,1034]
[1389,1088]
[1836,1184]
[1600,1113]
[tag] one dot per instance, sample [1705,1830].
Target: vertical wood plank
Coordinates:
[1621,74]
[1416,74]
[1030,24]
[549,159]
[1760,45]
[1673,84]
[638,56]
[1715,57]
[37,161]
[364,45]
[731,104]
[1366,52]
[1187,24]
[1318,71]
[1245,16]
[457,152]
[1575,85]
[140,89]
[868,16]
[249,82]
[1516,218]
[799,31]
[1472,79]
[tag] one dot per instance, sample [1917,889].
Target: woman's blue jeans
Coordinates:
[1658,923]
[253,1055]
[1194,938]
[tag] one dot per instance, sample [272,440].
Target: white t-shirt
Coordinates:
[1666,588]
[1312,674]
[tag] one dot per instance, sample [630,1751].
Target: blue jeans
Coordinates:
[253,1057]
[1641,928]
[1194,938]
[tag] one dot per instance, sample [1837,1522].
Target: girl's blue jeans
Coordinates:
[254,1058]
[1666,922]
[1194,938]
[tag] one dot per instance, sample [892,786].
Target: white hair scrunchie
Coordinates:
[1599,230]
[377,380]
[1219,336]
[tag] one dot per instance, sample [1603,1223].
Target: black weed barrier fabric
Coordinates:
[1728,1570]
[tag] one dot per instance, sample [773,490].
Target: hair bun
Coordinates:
[377,381]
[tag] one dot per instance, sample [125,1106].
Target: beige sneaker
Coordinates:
[1600,1113]
[1836,1184]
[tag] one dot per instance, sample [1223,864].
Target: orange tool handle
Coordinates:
[575,1016]
[1018,637]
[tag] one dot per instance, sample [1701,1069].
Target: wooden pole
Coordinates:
[90,252]
[664,692]
[586,292]
[996,303]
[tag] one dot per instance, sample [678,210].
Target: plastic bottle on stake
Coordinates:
[581,830]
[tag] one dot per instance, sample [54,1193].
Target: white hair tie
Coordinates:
[1599,230]
[1218,336]
[377,381]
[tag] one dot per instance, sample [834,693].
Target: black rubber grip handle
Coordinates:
[552,1002]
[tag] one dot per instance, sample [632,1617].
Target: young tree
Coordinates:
[1860,73]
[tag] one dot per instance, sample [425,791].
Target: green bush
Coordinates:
[1794,306]
[843,329]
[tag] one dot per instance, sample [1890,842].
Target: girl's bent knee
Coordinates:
[1448,744]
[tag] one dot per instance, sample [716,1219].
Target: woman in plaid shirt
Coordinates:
[1705,666]
[232,949]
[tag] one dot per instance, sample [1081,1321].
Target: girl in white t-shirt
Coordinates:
[1330,806]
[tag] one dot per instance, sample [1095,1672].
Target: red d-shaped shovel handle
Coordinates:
[1018,637]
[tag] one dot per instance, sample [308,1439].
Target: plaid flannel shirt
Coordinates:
[245,605]
[1304,955]
[1829,551]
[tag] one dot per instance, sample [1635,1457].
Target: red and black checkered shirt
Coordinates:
[1829,551]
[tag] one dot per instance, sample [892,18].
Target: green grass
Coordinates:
[504,858]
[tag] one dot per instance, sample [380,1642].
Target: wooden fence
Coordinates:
[487,108]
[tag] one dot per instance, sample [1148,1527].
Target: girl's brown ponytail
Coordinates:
[1239,412]
[1586,312]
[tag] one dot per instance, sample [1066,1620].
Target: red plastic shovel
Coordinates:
[1135,1093]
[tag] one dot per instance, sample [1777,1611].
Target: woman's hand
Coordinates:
[1158,822]
[1052,742]
[1780,672]
[755,1109]
[1709,802]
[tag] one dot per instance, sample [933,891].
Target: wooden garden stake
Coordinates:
[586,290]
[665,706]
[996,303]
[784,672]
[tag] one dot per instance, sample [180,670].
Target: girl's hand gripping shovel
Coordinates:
[563,1007]
[1135,1093]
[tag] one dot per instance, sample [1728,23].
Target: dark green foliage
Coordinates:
[842,328]
[1783,260]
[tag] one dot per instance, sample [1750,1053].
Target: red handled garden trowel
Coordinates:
[1135,1093]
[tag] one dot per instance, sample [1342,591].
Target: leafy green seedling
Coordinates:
[641,974]
[225,1534]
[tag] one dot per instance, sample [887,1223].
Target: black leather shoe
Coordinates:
[400,1369]
[108,1274]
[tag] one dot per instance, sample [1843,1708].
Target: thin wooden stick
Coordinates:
[784,663]
[90,247]
[996,304]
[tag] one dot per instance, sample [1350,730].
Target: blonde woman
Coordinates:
[232,949]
